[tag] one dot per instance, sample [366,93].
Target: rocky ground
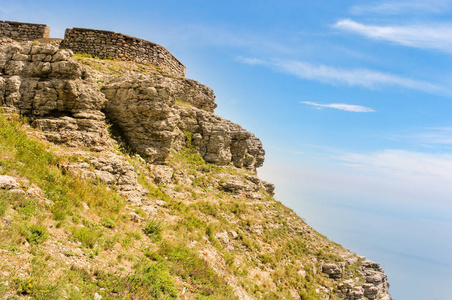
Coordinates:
[128,185]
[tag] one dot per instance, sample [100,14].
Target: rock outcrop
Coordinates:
[220,141]
[64,99]
[8,182]
[44,83]
[376,284]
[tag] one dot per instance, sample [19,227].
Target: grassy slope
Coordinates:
[77,239]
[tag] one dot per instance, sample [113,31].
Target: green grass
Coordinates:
[29,158]
[153,229]
[149,281]
[185,263]
[36,234]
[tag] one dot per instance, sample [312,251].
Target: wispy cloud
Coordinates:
[404,164]
[424,36]
[356,77]
[340,106]
[351,77]
[440,137]
[415,166]
[436,136]
[404,7]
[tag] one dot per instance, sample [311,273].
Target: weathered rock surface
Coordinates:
[8,182]
[63,100]
[220,141]
[44,83]
[141,108]
[376,286]
[113,170]
[248,186]
[332,270]
[144,109]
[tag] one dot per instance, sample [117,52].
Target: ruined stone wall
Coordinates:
[119,46]
[23,31]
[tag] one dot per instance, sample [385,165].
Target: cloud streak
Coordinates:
[404,164]
[340,106]
[423,36]
[352,77]
[404,7]
[440,137]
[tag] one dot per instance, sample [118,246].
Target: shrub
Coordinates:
[153,229]
[36,234]
[108,222]
[87,237]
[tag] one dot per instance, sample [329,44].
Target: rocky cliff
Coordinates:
[174,204]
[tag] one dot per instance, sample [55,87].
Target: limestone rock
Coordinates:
[162,174]
[223,237]
[46,84]
[268,187]
[8,182]
[17,191]
[62,99]
[113,170]
[35,192]
[134,217]
[220,141]
[140,106]
[332,270]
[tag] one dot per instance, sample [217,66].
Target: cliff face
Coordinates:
[187,182]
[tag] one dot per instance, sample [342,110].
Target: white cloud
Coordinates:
[413,166]
[356,77]
[409,176]
[250,60]
[424,36]
[404,7]
[440,137]
[340,106]
[416,166]
[436,136]
[352,77]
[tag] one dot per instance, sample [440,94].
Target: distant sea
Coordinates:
[414,251]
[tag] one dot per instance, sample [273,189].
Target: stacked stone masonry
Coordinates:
[109,44]
[23,31]
[100,43]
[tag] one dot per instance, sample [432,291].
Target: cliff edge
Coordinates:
[128,185]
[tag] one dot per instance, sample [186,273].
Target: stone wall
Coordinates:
[23,31]
[119,46]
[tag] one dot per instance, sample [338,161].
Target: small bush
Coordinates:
[37,234]
[189,266]
[152,255]
[108,222]
[86,236]
[153,229]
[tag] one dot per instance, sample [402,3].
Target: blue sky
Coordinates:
[351,99]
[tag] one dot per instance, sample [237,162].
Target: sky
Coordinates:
[351,99]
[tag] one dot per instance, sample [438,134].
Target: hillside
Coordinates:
[118,181]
